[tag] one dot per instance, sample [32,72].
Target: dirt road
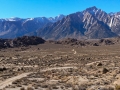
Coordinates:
[58,68]
[10,80]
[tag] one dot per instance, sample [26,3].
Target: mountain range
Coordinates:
[91,23]
[17,27]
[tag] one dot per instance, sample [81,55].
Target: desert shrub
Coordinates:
[105,70]
[44,86]
[35,86]
[3,69]
[117,87]
[22,88]
[107,88]
[55,87]
[76,87]
[30,88]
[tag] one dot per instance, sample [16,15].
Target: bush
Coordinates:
[22,88]
[117,87]
[29,88]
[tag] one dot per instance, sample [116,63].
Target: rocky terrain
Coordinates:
[52,66]
[33,40]
[21,42]
[87,42]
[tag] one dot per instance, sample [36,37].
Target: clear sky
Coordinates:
[51,8]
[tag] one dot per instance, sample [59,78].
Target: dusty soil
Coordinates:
[60,67]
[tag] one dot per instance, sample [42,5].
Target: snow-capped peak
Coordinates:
[92,10]
[117,15]
[30,18]
[57,18]
[111,13]
[13,19]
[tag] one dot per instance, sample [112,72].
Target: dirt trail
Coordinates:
[58,68]
[96,62]
[10,80]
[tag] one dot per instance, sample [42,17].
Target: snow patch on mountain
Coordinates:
[13,19]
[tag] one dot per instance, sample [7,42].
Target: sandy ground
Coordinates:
[57,68]
[10,80]
[57,65]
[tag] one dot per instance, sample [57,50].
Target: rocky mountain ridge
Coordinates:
[92,23]
[16,27]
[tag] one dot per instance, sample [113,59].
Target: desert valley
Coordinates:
[68,64]
[79,51]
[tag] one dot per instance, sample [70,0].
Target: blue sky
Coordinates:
[51,8]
